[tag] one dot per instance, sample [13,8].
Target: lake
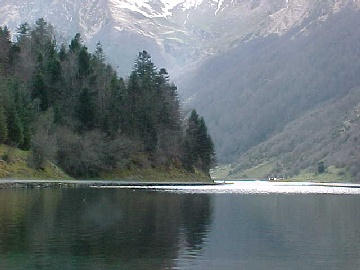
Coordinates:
[245,226]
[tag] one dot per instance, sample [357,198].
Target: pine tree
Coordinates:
[15,128]
[39,91]
[84,62]
[62,53]
[198,146]
[205,147]
[3,126]
[75,44]
[53,68]
[5,47]
[190,155]
[86,109]
[23,32]
[27,137]
[115,118]
[99,53]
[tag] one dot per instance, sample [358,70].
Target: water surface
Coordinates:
[177,229]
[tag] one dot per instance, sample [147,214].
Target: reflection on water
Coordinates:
[281,232]
[129,229]
[90,229]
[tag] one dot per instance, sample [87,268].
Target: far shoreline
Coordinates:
[18,183]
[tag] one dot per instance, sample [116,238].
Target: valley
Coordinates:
[263,73]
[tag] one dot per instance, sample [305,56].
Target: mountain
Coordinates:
[253,68]
[329,133]
[176,32]
[280,101]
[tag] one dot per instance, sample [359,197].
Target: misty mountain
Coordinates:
[176,32]
[249,93]
[328,133]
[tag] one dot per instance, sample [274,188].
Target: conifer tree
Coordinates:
[5,47]
[198,147]
[15,128]
[3,126]
[99,53]
[23,32]
[84,62]
[86,109]
[75,44]
[205,147]
[39,91]
[62,53]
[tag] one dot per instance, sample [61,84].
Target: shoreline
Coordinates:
[12,183]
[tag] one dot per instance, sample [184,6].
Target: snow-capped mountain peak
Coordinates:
[155,8]
[182,31]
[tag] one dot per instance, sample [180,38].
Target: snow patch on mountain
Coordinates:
[153,8]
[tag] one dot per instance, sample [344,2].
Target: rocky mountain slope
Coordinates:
[286,103]
[176,32]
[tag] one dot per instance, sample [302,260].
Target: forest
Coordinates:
[68,106]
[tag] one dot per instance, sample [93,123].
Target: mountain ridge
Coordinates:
[177,32]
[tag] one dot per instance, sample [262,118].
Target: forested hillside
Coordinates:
[323,141]
[68,106]
[256,92]
[250,93]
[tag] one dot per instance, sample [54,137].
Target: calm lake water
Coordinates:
[146,229]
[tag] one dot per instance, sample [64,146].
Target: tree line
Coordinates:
[69,106]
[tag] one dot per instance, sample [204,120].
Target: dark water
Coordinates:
[124,229]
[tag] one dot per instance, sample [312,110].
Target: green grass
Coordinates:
[220,172]
[261,171]
[332,174]
[14,165]
[258,172]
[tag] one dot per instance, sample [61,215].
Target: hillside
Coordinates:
[251,93]
[70,108]
[329,134]
[14,165]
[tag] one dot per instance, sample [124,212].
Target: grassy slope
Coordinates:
[332,175]
[330,133]
[17,168]
[262,171]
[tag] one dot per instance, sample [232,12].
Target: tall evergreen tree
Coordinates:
[86,109]
[23,32]
[84,62]
[15,128]
[3,126]
[39,91]
[198,146]
[75,44]
[5,46]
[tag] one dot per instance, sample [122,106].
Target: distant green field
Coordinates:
[332,174]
